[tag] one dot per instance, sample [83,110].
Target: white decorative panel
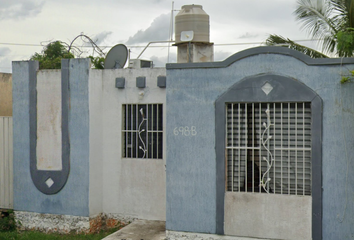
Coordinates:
[49,145]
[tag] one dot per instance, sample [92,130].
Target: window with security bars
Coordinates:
[268,147]
[142,131]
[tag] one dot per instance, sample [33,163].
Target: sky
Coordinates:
[28,25]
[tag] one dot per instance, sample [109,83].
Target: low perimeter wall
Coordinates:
[68,223]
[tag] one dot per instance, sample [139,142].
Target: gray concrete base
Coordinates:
[140,229]
[52,222]
[67,223]
[173,235]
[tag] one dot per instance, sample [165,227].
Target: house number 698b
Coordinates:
[185,131]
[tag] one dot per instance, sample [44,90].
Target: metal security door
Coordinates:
[268,164]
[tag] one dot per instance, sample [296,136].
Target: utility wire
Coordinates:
[22,44]
[154,46]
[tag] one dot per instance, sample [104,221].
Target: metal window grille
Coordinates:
[142,131]
[268,147]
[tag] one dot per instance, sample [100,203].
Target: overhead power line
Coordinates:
[154,46]
[22,44]
[249,43]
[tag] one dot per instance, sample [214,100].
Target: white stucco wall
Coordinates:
[130,188]
[49,121]
[96,158]
[272,216]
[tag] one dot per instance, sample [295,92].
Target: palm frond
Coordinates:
[318,18]
[338,6]
[349,4]
[329,43]
[277,40]
[339,12]
[343,13]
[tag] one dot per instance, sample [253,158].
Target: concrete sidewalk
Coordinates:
[140,230]
[156,230]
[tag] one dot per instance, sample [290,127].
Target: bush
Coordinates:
[7,221]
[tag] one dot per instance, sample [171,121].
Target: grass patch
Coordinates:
[30,235]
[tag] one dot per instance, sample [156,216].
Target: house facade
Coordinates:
[257,146]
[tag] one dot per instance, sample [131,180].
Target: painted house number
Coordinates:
[185,131]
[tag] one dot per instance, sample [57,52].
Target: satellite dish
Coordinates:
[116,57]
[187,36]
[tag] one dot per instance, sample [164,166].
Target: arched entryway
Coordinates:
[269,167]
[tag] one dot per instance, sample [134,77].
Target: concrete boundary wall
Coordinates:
[93,178]
[131,187]
[72,199]
[6,163]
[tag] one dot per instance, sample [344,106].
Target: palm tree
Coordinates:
[276,40]
[331,21]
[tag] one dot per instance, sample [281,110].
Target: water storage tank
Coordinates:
[192,18]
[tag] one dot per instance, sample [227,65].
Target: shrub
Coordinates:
[7,221]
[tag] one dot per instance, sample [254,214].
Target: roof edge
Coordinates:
[263,50]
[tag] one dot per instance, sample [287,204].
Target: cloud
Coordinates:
[220,55]
[253,17]
[158,31]
[161,61]
[4,51]
[20,9]
[100,37]
[248,35]
[5,65]
[5,61]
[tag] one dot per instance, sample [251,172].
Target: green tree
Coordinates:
[97,62]
[331,21]
[52,55]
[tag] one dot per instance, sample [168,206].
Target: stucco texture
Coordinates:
[73,197]
[129,187]
[191,160]
[100,179]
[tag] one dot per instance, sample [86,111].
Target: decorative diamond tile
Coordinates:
[49,182]
[267,88]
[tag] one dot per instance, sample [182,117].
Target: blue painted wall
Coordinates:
[192,90]
[73,199]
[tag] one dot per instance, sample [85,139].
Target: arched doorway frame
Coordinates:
[284,89]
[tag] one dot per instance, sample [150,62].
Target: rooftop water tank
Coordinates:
[192,18]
